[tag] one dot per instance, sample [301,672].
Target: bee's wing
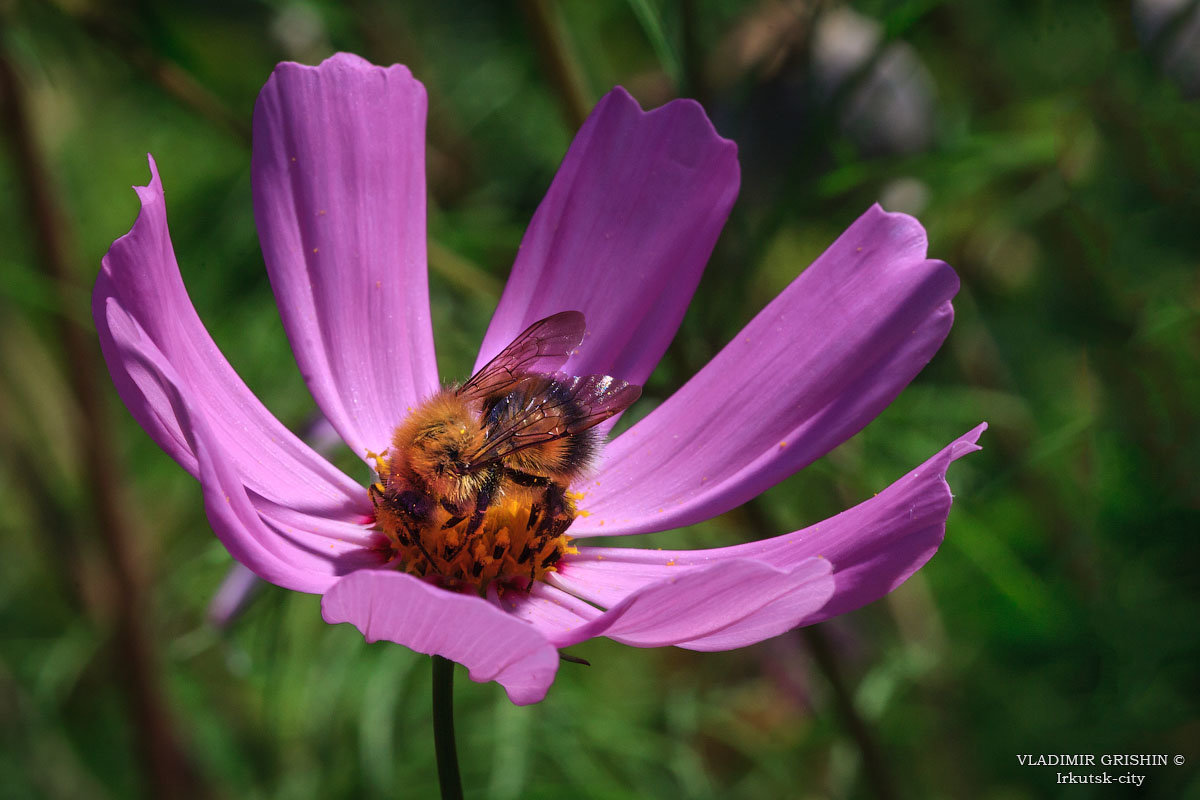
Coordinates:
[543,347]
[578,403]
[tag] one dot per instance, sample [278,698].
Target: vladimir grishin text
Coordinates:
[1091,760]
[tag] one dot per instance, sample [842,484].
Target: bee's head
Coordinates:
[436,448]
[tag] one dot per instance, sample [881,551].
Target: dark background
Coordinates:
[1053,153]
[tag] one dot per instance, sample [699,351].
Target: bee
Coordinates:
[476,482]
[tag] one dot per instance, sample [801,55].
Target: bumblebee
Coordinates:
[476,484]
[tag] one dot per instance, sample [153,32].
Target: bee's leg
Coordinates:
[525,479]
[450,523]
[413,505]
[411,509]
[534,540]
[558,518]
[483,501]
[547,520]
[536,510]
[415,537]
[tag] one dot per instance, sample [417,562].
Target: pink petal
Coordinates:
[140,294]
[241,584]
[284,546]
[338,173]
[817,364]
[550,610]
[492,645]
[787,611]
[694,604]
[233,596]
[874,547]
[623,234]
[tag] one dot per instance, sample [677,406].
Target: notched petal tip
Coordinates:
[968,442]
[872,547]
[690,112]
[840,342]
[351,60]
[149,196]
[901,226]
[139,301]
[601,240]
[337,174]
[153,188]
[343,62]
[879,544]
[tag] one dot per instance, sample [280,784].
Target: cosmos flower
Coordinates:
[622,236]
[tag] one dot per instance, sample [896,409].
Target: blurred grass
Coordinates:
[1059,177]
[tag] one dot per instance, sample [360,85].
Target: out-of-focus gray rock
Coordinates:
[1170,30]
[890,106]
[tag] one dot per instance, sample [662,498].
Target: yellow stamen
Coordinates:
[512,544]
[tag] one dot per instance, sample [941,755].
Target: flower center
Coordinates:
[516,538]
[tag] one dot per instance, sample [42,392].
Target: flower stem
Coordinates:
[443,729]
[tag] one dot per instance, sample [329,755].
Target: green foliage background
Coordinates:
[1062,614]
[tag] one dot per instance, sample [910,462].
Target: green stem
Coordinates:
[443,729]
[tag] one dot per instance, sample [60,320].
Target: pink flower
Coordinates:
[622,235]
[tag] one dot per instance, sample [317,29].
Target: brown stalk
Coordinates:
[169,76]
[876,770]
[560,65]
[168,773]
